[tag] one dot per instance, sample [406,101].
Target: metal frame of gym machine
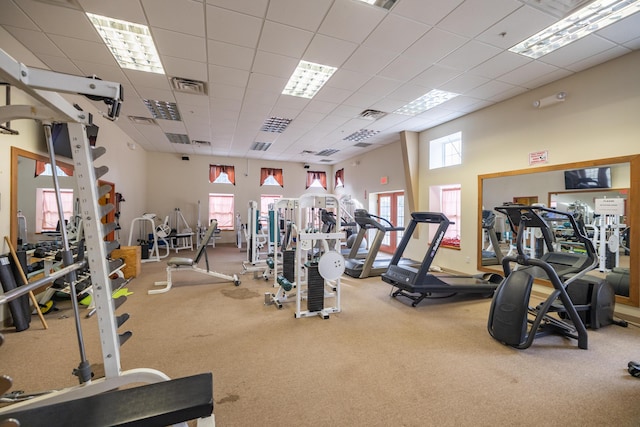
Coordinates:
[43,86]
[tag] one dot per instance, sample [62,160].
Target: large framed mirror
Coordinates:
[557,186]
[28,188]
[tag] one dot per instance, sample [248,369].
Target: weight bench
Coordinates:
[178,263]
[159,404]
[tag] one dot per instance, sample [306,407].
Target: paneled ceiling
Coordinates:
[246,50]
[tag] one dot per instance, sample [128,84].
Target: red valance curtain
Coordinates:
[216,170]
[267,172]
[319,175]
[339,178]
[41,167]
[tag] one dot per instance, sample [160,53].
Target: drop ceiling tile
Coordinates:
[345,79]
[228,55]
[623,31]
[470,55]
[35,41]
[403,68]
[473,17]
[150,80]
[516,27]
[434,45]
[464,84]
[227,76]
[260,97]
[180,67]
[318,106]
[435,76]
[633,44]
[305,14]
[84,50]
[14,16]
[156,94]
[329,51]
[60,64]
[111,73]
[266,83]
[183,16]
[521,75]
[395,34]
[544,79]
[415,9]
[368,59]
[55,20]
[339,21]
[178,45]
[192,100]
[332,94]
[380,86]
[252,7]
[577,51]
[407,93]
[284,39]
[274,65]
[361,100]
[500,64]
[489,89]
[126,10]
[233,27]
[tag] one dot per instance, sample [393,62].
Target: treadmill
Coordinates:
[362,265]
[495,256]
[418,283]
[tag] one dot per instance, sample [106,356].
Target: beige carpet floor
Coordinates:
[379,362]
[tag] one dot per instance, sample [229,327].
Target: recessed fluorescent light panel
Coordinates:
[385,4]
[163,109]
[307,79]
[585,21]
[260,146]
[178,138]
[327,152]
[429,100]
[361,135]
[275,124]
[131,44]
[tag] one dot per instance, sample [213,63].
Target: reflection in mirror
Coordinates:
[604,213]
[34,211]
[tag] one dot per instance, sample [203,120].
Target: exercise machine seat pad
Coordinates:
[180,262]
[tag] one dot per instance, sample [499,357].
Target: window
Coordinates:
[339,178]
[447,199]
[47,215]
[221,208]
[316,179]
[445,151]
[220,174]
[266,200]
[44,168]
[269,176]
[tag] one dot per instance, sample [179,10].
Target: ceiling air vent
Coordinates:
[327,152]
[275,124]
[362,145]
[260,146]
[308,152]
[201,143]
[178,138]
[372,114]
[166,110]
[139,120]
[195,87]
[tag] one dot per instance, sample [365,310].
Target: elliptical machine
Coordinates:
[512,321]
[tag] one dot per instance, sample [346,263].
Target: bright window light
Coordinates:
[131,44]
[308,79]
[445,151]
[590,18]
[429,100]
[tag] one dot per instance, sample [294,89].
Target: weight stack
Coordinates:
[315,288]
[19,308]
[289,265]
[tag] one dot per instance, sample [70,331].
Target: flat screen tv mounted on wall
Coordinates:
[582,179]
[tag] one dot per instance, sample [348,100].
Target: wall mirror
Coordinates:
[25,186]
[555,186]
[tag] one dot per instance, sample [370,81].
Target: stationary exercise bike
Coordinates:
[576,301]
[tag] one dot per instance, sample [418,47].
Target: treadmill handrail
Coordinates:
[368,221]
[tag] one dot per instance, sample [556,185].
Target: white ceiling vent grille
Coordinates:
[308,152]
[361,135]
[260,146]
[194,87]
[362,145]
[275,124]
[200,143]
[72,4]
[178,138]
[372,114]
